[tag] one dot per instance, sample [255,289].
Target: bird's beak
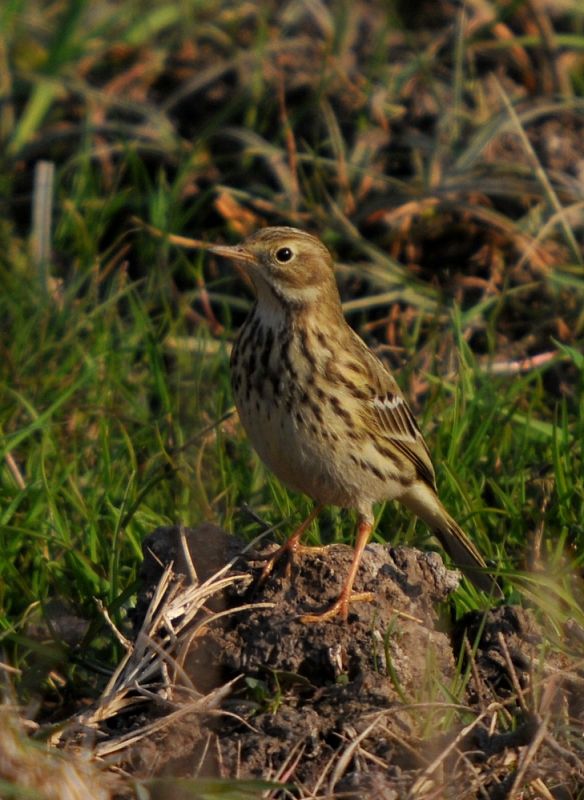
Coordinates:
[238,253]
[241,257]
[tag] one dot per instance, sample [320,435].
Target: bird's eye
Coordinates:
[283,255]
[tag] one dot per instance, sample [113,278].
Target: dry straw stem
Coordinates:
[528,756]
[345,759]
[425,780]
[152,668]
[180,241]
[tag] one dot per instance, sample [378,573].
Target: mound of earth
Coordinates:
[395,702]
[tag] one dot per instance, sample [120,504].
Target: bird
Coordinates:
[322,410]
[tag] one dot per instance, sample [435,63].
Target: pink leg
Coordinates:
[340,607]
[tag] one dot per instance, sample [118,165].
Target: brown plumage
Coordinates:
[321,409]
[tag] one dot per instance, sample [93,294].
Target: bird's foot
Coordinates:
[340,608]
[289,550]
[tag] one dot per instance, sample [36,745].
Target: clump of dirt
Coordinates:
[394,700]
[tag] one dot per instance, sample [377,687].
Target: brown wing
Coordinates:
[386,413]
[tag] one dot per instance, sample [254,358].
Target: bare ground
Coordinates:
[396,702]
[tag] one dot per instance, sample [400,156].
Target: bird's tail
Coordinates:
[424,502]
[466,556]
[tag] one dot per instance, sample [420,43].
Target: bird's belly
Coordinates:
[307,456]
[295,453]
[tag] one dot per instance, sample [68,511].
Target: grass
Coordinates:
[459,241]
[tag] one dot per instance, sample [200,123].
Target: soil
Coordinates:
[397,701]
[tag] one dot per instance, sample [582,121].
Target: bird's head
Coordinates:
[286,266]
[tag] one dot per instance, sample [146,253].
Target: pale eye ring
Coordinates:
[284,254]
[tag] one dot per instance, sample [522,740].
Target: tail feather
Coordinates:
[424,502]
[466,556]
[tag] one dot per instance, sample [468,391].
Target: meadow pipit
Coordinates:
[321,409]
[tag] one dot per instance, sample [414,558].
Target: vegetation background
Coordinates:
[436,147]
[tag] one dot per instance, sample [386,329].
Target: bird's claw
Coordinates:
[340,608]
[289,550]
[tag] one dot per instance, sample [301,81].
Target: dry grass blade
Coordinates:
[290,144]
[512,672]
[152,666]
[339,149]
[542,176]
[179,241]
[528,755]
[420,784]
[286,772]
[349,752]
[572,215]
[15,471]
[41,241]
[202,705]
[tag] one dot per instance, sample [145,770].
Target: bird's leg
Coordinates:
[340,608]
[292,545]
